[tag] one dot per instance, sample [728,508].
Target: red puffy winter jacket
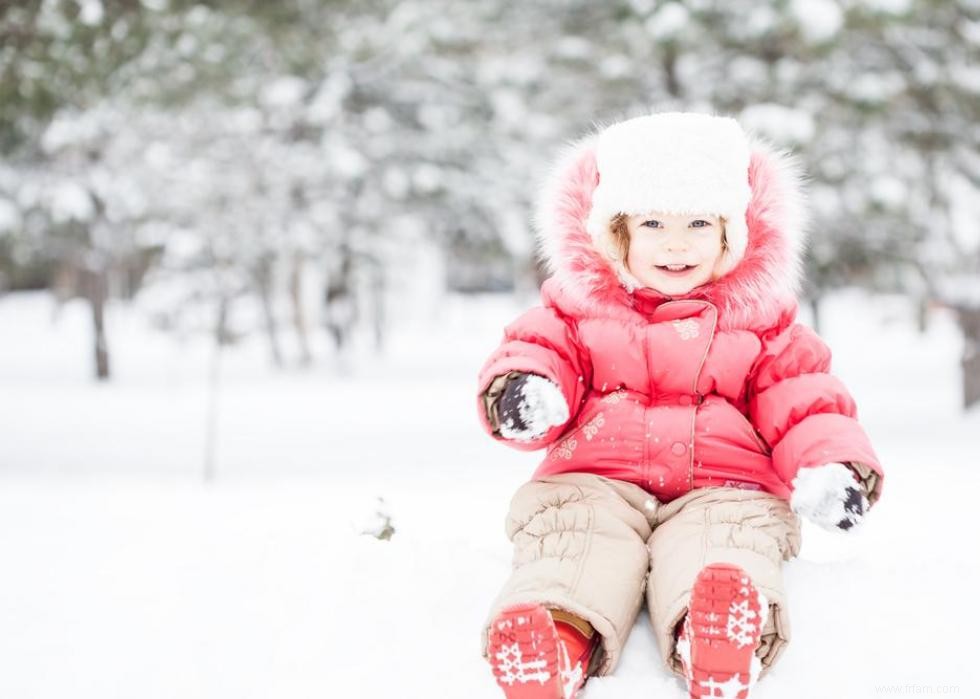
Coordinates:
[720,387]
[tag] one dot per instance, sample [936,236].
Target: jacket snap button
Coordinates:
[684,400]
[679,448]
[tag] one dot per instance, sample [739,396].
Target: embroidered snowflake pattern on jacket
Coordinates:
[614,398]
[591,428]
[564,449]
[688,329]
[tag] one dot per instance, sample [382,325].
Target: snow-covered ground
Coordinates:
[125,575]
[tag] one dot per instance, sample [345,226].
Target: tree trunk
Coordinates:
[969,319]
[670,70]
[214,391]
[300,323]
[378,300]
[339,299]
[922,313]
[263,279]
[814,300]
[95,289]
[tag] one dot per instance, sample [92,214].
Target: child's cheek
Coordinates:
[641,251]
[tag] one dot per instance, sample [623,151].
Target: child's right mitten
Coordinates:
[529,406]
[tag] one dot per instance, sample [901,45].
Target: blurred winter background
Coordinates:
[252,255]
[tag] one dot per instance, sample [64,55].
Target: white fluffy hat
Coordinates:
[675,162]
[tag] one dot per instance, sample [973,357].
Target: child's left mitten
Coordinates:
[830,496]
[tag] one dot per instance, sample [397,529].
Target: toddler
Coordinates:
[687,417]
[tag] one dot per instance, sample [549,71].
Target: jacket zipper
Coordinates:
[698,400]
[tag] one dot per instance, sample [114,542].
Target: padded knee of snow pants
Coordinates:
[752,529]
[580,545]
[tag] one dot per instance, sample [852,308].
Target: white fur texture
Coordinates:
[819,493]
[753,293]
[542,407]
[677,163]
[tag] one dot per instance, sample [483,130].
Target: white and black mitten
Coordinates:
[829,496]
[529,406]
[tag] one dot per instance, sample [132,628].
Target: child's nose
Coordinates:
[676,241]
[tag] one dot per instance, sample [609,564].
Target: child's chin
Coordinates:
[674,289]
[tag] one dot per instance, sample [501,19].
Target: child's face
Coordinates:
[661,243]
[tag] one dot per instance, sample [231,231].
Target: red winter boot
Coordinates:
[537,654]
[721,633]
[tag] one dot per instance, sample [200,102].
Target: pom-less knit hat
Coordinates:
[672,162]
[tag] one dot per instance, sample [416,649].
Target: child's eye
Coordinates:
[652,223]
[700,223]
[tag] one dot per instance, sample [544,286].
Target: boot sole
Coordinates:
[523,653]
[726,624]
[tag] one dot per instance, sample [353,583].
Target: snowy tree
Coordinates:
[328,142]
[904,175]
[79,207]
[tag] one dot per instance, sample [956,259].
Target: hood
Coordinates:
[758,293]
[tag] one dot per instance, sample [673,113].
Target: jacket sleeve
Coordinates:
[539,342]
[805,413]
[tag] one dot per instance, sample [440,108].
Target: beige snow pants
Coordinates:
[596,547]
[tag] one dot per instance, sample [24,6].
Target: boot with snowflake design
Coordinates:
[533,656]
[721,632]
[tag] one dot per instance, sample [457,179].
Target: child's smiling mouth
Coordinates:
[676,270]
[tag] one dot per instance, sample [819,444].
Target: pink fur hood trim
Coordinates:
[759,293]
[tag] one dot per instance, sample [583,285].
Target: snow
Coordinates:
[642,7]
[91,12]
[126,575]
[346,160]
[965,214]
[819,20]
[760,20]
[285,93]
[9,216]
[510,108]
[894,7]
[967,77]
[781,124]
[71,202]
[668,22]
[328,99]
[69,128]
[615,66]
[427,178]
[573,48]
[877,87]
[889,190]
